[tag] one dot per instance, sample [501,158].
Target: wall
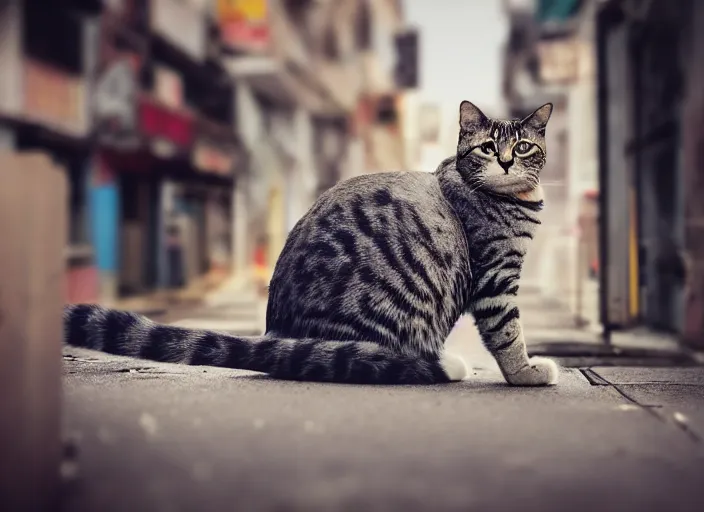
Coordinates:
[10,57]
[693,170]
[7,138]
[250,125]
[306,179]
[582,118]
[582,174]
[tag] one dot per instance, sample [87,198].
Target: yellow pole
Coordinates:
[633,260]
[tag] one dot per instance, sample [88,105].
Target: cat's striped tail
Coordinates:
[129,334]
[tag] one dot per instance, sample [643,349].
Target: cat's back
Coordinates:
[387,205]
[383,188]
[387,238]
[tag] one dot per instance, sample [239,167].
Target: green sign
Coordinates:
[556,10]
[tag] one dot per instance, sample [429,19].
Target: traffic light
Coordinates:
[407,59]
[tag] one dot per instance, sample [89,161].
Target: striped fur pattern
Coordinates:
[375,275]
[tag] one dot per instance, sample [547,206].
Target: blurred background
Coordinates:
[195,133]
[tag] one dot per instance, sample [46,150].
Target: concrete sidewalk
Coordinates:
[167,437]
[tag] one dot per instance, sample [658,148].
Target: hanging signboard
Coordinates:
[559,60]
[168,132]
[210,159]
[214,149]
[114,104]
[244,24]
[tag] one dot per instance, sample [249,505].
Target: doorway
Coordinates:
[656,146]
[138,243]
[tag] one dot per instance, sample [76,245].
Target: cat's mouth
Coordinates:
[534,195]
[511,184]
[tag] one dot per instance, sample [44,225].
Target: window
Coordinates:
[296,10]
[386,110]
[53,34]
[129,199]
[331,46]
[363,31]
[78,203]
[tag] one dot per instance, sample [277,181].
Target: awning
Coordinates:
[285,83]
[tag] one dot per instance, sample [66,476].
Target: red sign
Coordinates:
[158,122]
[244,23]
[210,159]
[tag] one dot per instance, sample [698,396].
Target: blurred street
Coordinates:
[153,436]
[167,438]
[163,437]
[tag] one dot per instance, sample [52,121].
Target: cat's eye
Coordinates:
[523,148]
[488,148]
[485,150]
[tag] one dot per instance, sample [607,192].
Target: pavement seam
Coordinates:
[598,380]
[594,378]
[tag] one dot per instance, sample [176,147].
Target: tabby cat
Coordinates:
[374,276]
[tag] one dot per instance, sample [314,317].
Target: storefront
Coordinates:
[216,157]
[642,84]
[173,189]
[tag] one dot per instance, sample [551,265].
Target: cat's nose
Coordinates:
[505,164]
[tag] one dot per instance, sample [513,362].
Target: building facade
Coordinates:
[194,133]
[626,78]
[651,109]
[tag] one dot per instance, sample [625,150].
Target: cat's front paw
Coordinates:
[540,372]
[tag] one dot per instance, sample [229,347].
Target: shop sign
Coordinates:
[210,159]
[244,23]
[164,127]
[54,98]
[114,105]
[559,60]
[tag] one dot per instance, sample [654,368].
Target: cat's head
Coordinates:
[499,156]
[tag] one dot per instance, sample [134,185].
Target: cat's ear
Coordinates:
[538,119]
[470,116]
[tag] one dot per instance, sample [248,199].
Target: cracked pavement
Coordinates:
[163,437]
